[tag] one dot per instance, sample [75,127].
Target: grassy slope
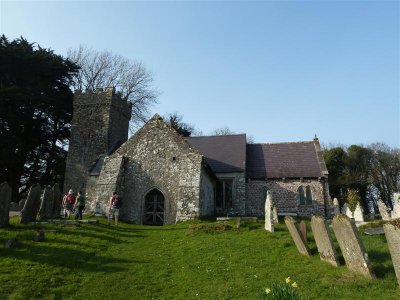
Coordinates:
[142,262]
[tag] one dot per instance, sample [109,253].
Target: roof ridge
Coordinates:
[209,136]
[279,143]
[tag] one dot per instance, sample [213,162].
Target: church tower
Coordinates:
[100,124]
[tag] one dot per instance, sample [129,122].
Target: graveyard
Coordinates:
[189,260]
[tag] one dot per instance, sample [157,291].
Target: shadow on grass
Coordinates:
[384,268]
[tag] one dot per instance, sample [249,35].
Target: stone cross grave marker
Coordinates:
[392,233]
[32,205]
[5,199]
[396,206]
[383,210]
[323,239]
[336,207]
[351,245]
[303,231]
[46,206]
[296,236]
[358,213]
[57,199]
[269,218]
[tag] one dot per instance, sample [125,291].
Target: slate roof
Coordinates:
[282,160]
[223,153]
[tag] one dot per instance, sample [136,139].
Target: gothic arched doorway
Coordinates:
[154,203]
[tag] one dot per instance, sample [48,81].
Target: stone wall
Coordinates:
[286,196]
[158,158]
[100,119]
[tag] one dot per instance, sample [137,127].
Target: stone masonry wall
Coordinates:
[286,196]
[157,157]
[100,119]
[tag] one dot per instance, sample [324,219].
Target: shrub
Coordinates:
[352,199]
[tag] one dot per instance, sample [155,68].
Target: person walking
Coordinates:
[80,204]
[68,203]
[113,207]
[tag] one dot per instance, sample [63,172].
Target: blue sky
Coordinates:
[279,71]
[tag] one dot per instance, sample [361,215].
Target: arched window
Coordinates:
[309,200]
[302,196]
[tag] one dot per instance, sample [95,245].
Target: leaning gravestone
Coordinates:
[32,205]
[269,218]
[392,233]
[46,206]
[303,231]
[323,239]
[351,245]
[296,236]
[383,210]
[57,199]
[396,206]
[358,213]
[336,207]
[5,199]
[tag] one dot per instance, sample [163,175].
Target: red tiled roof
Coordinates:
[223,153]
[282,160]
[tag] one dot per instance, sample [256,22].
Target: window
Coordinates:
[302,196]
[308,196]
[224,193]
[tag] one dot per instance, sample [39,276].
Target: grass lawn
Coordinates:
[170,262]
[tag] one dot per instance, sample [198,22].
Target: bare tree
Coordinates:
[104,69]
[227,131]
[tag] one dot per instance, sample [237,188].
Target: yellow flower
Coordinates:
[295,285]
[287,280]
[267,291]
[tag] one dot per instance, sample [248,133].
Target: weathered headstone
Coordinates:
[303,231]
[359,213]
[296,236]
[5,199]
[336,207]
[351,245]
[269,218]
[392,233]
[56,210]
[383,210]
[46,206]
[39,237]
[32,205]
[346,211]
[323,239]
[275,214]
[396,206]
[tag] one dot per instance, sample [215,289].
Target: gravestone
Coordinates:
[275,214]
[46,206]
[12,243]
[359,213]
[323,239]
[351,245]
[296,236]
[269,218]
[303,231]
[5,199]
[346,211]
[392,233]
[57,200]
[383,210]
[336,207]
[396,206]
[32,205]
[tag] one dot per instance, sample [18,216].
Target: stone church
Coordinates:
[164,178]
